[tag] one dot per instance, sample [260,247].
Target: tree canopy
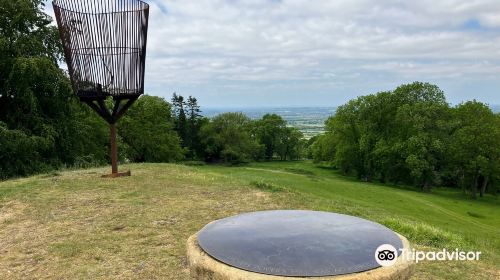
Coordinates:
[411,135]
[227,137]
[148,131]
[40,119]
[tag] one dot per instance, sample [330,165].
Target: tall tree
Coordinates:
[322,148]
[396,136]
[269,131]
[475,146]
[36,102]
[194,122]
[289,146]
[423,132]
[228,138]
[148,131]
[180,117]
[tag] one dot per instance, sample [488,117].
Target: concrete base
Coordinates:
[204,267]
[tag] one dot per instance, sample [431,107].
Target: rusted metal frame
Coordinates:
[124,108]
[104,59]
[116,106]
[103,112]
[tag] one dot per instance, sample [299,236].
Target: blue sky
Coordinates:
[252,53]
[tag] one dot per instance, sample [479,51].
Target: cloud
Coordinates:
[240,46]
[442,70]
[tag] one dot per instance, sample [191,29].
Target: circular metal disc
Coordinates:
[296,242]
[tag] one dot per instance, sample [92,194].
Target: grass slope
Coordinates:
[74,224]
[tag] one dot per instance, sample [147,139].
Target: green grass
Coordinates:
[73,224]
[264,186]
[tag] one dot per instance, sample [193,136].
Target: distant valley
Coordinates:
[309,120]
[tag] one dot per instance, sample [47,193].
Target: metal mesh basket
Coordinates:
[104,45]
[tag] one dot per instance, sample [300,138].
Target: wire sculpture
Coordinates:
[104,43]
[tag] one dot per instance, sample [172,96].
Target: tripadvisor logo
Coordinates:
[387,255]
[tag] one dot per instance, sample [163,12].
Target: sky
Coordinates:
[270,53]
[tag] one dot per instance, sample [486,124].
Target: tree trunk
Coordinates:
[383,178]
[483,186]
[474,187]
[369,177]
[426,186]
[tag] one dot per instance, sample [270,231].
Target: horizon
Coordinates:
[493,106]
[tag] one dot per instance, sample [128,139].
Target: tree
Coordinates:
[423,132]
[37,107]
[289,146]
[20,153]
[180,118]
[475,146]
[269,131]
[322,148]
[194,122]
[309,145]
[228,138]
[394,136]
[421,120]
[25,31]
[344,126]
[148,132]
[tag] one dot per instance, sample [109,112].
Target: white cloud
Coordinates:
[209,45]
[441,70]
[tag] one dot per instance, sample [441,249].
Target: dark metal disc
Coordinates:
[296,242]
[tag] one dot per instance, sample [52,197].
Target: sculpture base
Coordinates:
[204,267]
[118,174]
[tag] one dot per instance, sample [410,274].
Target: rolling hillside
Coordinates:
[73,224]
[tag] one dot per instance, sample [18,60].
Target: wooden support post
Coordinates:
[114,151]
[114,155]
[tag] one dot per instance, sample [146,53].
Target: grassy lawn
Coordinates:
[75,225]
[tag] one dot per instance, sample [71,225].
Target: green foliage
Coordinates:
[307,145]
[412,136]
[269,131]
[194,123]
[323,148]
[290,145]
[180,118]
[188,122]
[427,235]
[227,138]
[147,130]
[43,125]
[20,154]
[474,148]
[265,186]
[25,31]
[278,139]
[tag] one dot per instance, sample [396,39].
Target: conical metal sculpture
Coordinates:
[104,45]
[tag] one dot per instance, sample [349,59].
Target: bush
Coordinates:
[270,187]
[20,154]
